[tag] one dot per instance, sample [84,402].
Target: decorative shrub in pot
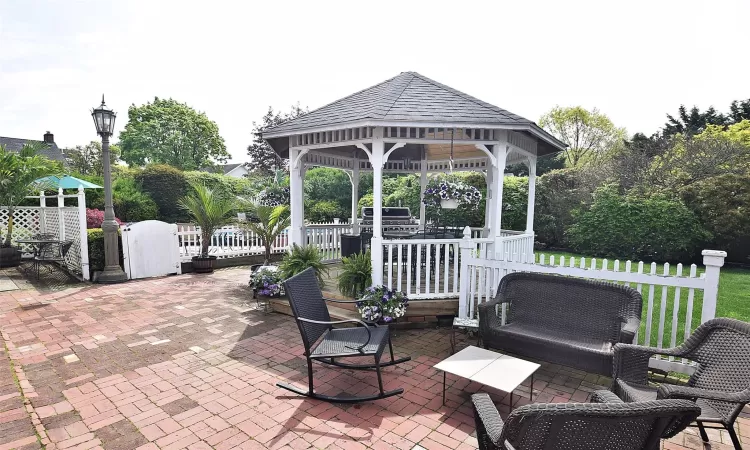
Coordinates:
[380,304]
[210,210]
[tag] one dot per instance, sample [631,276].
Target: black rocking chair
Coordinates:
[325,344]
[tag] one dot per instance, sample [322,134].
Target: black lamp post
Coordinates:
[104,119]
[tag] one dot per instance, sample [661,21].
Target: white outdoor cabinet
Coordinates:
[150,249]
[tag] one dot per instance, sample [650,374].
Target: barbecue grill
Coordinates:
[394,219]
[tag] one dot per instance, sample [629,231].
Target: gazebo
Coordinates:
[412,124]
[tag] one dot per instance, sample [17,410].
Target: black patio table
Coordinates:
[42,247]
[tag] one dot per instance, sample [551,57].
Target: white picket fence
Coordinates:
[233,241]
[62,222]
[673,296]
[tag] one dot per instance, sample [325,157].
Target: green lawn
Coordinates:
[733,300]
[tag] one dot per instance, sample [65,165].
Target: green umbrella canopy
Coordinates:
[65,182]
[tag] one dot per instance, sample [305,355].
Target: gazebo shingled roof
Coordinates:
[409,98]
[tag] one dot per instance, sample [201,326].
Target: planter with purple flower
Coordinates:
[382,305]
[266,282]
[451,194]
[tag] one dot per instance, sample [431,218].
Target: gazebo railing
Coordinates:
[427,268]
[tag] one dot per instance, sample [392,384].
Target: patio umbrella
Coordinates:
[65,182]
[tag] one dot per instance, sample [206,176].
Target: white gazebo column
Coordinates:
[500,151]
[296,199]
[422,188]
[376,244]
[532,195]
[355,195]
[488,205]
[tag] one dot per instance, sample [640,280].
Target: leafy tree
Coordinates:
[739,111]
[18,171]
[87,159]
[264,159]
[587,133]
[692,122]
[323,184]
[169,132]
[713,152]
[544,164]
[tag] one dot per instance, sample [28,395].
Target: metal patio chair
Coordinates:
[607,424]
[327,344]
[720,385]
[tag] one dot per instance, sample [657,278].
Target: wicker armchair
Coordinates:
[720,384]
[568,321]
[607,424]
[326,344]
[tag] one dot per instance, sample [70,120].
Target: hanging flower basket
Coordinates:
[274,196]
[451,194]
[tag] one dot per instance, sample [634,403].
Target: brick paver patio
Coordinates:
[187,362]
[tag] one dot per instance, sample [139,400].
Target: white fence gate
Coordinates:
[686,298]
[150,249]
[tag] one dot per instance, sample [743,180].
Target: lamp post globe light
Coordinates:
[104,119]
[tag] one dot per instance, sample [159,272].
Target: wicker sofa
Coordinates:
[563,320]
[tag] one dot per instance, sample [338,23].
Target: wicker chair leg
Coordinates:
[310,375]
[702,431]
[733,436]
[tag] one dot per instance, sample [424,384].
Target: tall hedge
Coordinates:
[648,229]
[166,186]
[722,204]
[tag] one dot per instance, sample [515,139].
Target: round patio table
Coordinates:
[397,234]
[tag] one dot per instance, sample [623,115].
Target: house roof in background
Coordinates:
[229,167]
[51,151]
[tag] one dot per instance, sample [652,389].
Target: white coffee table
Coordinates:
[490,368]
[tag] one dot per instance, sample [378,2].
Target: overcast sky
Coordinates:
[634,60]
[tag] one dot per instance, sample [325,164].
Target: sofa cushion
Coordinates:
[554,339]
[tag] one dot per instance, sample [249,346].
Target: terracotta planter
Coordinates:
[10,256]
[449,203]
[203,264]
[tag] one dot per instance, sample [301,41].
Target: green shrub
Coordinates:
[355,275]
[166,186]
[558,194]
[300,258]
[515,201]
[222,183]
[96,250]
[330,185]
[722,204]
[323,212]
[131,203]
[649,229]
[366,200]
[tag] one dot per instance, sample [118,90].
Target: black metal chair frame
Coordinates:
[306,299]
[721,349]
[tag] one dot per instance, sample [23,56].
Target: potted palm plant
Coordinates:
[18,173]
[210,211]
[268,223]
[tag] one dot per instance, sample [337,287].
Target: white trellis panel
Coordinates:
[150,249]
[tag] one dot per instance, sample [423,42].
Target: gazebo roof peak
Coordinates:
[408,99]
